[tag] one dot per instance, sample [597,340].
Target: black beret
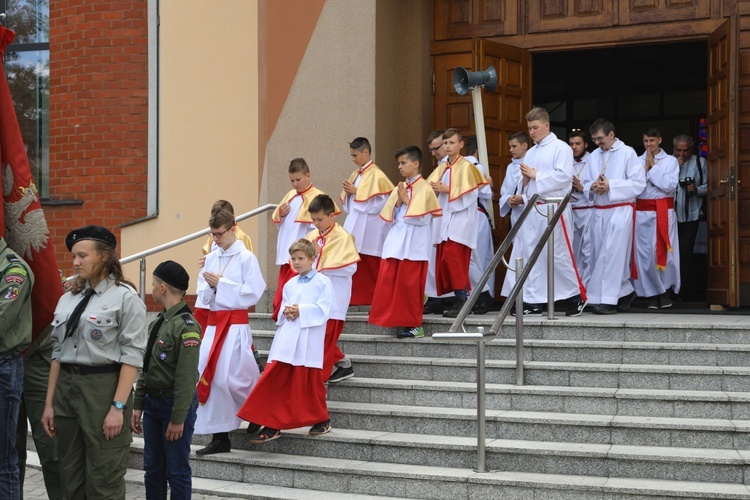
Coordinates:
[171,273]
[96,233]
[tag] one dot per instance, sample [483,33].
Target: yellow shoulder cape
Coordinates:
[336,246]
[304,214]
[374,182]
[464,177]
[422,201]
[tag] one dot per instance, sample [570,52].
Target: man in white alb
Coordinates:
[582,206]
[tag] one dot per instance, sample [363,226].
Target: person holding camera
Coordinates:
[689,206]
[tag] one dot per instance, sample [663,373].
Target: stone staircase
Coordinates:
[629,406]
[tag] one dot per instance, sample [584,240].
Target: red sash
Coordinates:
[633,267]
[661,206]
[222,320]
[581,287]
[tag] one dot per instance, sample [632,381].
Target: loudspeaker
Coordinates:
[464,80]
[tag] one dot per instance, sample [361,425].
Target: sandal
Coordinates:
[321,428]
[266,435]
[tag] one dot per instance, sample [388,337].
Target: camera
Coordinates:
[687,181]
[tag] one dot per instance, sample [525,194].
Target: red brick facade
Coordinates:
[98,116]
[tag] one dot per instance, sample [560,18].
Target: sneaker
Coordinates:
[321,428]
[665,300]
[653,302]
[623,304]
[340,374]
[528,309]
[575,309]
[412,332]
[455,308]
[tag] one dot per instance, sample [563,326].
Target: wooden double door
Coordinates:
[504,112]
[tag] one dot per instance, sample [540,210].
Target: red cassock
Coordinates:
[452,267]
[364,280]
[400,300]
[285,274]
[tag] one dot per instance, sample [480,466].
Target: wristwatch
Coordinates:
[119,405]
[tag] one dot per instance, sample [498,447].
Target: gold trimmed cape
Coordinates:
[337,247]
[423,201]
[303,216]
[374,182]
[464,177]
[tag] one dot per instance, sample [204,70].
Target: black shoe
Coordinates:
[483,304]
[623,304]
[433,306]
[340,374]
[604,309]
[253,428]
[320,429]
[215,446]
[455,308]
[665,300]
[528,309]
[576,308]
[653,302]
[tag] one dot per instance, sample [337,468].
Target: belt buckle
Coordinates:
[75,370]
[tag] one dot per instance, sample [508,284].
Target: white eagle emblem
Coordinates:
[33,232]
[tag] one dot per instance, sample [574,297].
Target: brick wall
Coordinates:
[98,116]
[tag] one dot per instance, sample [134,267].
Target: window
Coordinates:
[27,67]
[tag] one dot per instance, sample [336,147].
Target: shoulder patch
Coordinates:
[13,258]
[188,319]
[191,343]
[191,335]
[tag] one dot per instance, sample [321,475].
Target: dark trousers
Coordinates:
[11,387]
[686,234]
[166,461]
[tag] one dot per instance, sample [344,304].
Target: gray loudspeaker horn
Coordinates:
[464,80]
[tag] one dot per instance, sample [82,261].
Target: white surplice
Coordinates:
[661,182]
[611,229]
[240,287]
[582,211]
[553,161]
[484,251]
[509,188]
[290,231]
[364,223]
[300,342]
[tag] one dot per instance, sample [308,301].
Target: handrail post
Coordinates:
[519,325]
[142,291]
[481,444]
[550,266]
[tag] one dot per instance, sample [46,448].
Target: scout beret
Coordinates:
[172,274]
[96,233]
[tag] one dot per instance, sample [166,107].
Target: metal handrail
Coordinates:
[179,241]
[515,293]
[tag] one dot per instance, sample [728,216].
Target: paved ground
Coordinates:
[33,489]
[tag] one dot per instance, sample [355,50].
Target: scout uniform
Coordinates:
[166,391]
[110,332]
[16,280]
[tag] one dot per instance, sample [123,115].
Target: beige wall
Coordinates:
[208,124]
[366,72]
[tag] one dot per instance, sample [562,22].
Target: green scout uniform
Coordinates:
[16,280]
[173,361]
[35,380]
[111,331]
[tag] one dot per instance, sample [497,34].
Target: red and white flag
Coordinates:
[23,225]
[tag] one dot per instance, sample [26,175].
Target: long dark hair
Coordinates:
[110,267]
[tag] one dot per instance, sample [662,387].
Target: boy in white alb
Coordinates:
[407,248]
[656,245]
[613,178]
[548,171]
[363,196]
[338,260]
[582,206]
[229,284]
[294,222]
[292,393]
[457,186]
[511,201]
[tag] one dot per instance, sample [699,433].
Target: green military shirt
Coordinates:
[16,280]
[172,361]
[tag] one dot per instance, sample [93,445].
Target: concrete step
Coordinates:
[651,462]
[389,480]
[540,426]
[556,351]
[629,327]
[701,378]
[585,400]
